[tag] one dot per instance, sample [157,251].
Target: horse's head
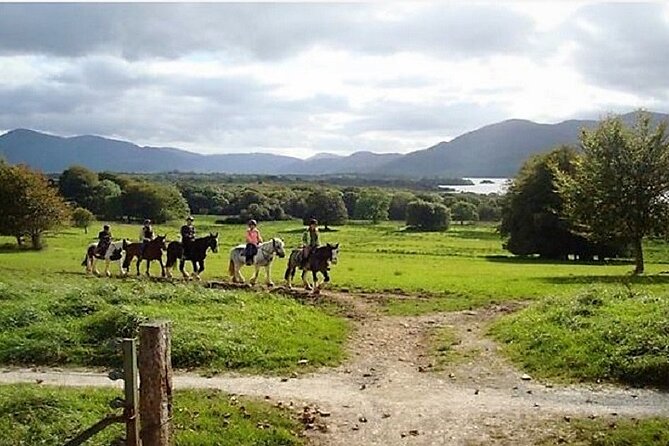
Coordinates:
[213,242]
[334,252]
[161,241]
[278,246]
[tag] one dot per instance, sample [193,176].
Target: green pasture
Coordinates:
[32,415]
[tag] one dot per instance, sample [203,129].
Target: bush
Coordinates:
[464,211]
[428,216]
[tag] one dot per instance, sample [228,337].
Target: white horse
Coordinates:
[114,253]
[263,258]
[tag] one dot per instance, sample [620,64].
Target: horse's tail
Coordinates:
[231,268]
[87,257]
[174,251]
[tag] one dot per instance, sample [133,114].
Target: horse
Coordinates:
[153,251]
[113,253]
[198,252]
[318,262]
[263,258]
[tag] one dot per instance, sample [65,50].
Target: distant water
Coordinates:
[482,186]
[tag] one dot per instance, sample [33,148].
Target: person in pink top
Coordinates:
[253,239]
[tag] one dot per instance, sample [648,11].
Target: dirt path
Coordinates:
[386,395]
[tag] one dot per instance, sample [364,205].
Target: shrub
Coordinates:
[428,216]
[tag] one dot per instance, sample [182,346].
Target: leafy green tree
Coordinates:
[82,218]
[30,205]
[397,210]
[350,197]
[155,201]
[372,204]
[619,188]
[106,199]
[77,184]
[327,206]
[464,211]
[428,216]
[488,211]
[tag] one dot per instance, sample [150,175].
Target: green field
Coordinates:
[32,415]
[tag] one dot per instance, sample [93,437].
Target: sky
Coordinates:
[304,78]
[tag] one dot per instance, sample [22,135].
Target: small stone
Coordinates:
[323,413]
[363,386]
[476,392]
[355,427]
[451,375]
[567,418]
[414,432]
[362,419]
[525,377]
[303,362]
[385,415]
[284,379]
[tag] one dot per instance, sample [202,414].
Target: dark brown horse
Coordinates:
[318,262]
[197,253]
[153,251]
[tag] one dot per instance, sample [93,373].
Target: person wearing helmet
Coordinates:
[187,236]
[104,240]
[145,235]
[309,240]
[253,239]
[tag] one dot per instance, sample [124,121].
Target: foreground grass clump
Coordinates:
[31,415]
[607,334]
[612,432]
[51,322]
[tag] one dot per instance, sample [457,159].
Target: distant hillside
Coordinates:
[495,150]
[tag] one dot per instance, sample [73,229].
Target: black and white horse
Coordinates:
[114,253]
[263,258]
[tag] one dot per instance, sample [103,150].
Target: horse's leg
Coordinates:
[162,266]
[316,286]
[195,269]
[304,280]
[182,266]
[255,274]
[148,267]
[240,277]
[107,272]
[268,271]
[139,260]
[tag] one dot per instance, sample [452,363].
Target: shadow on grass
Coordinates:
[618,279]
[540,261]
[302,229]
[13,248]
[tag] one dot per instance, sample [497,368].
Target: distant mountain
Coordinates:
[358,162]
[55,154]
[495,150]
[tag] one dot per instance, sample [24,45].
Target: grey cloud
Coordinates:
[267,31]
[623,46]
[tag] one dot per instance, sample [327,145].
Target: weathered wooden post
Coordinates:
[131,409]
[155,376]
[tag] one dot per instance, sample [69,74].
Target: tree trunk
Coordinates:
[19,240]
[638,256]
[85,229]
[36,240]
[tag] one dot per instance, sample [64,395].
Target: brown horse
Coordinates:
[318,262]
[153,251]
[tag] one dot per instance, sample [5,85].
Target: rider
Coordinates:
[187,236]
[253,239]
[145,235]
[104,240]
[309,240]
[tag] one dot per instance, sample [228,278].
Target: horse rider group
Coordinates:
[253,239]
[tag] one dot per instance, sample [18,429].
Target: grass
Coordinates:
[612,432]
[34,415]
[75,321]
[599,334]
[440,347]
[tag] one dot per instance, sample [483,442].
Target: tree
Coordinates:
[350,197]
[397,210]
[428,216]
[463,210]
[77,184]
[327,206]
[106,200]
[372,204]
[30,206]
[82,218]
[489,211]
[619,188]
[155,201]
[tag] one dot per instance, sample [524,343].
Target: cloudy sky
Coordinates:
[305,78]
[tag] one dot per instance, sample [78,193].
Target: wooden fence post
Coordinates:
[131,401]
[155,391]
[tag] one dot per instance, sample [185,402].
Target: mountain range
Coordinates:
[495,150]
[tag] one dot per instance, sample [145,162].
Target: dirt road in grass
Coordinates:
[387,393]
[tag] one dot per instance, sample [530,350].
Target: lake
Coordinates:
[482,186]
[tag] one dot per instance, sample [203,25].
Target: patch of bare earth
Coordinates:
[386,394]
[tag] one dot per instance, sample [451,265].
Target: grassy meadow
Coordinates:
[32,415]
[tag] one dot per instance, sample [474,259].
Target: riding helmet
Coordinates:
[253,222]
[147,222]
[105,227]
[313,221]
[189,218]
